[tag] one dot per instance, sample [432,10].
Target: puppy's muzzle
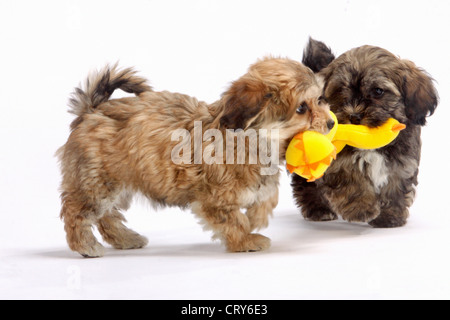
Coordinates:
[355,118]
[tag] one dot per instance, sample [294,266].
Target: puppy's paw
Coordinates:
[118,235]
[388,222]
[251,243]
[319,215]
[94,251]
[361,213]
[131,241]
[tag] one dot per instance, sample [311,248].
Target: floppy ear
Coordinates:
[419,94]
[317,55]
[243,102]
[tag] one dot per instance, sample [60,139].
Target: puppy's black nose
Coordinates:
[330,124]
[355,118]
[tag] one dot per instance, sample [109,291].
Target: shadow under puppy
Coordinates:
[119,147]
[367,85]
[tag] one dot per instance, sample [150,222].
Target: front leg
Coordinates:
[352,196]
[395,205]
[392,217]
[231,226]
[258,214]
[309,197]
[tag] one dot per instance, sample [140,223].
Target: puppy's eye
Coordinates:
[377,92]
[302,109]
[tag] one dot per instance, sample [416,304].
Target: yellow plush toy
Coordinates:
[310,153]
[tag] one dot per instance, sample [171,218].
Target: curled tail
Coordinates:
[100,86]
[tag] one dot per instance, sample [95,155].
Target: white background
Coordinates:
[198,48]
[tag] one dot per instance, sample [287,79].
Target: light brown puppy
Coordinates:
[119,147]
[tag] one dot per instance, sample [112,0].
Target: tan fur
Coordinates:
[119,147]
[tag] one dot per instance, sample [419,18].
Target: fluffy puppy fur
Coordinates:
[119,147]
[368,85]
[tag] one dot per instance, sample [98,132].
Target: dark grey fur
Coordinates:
[374,186]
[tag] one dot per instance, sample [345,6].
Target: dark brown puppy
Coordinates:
[368,85]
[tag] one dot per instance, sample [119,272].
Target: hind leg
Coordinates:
[117,234]
[230,226]
[78,222]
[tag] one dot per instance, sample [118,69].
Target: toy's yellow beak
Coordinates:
[398,127]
